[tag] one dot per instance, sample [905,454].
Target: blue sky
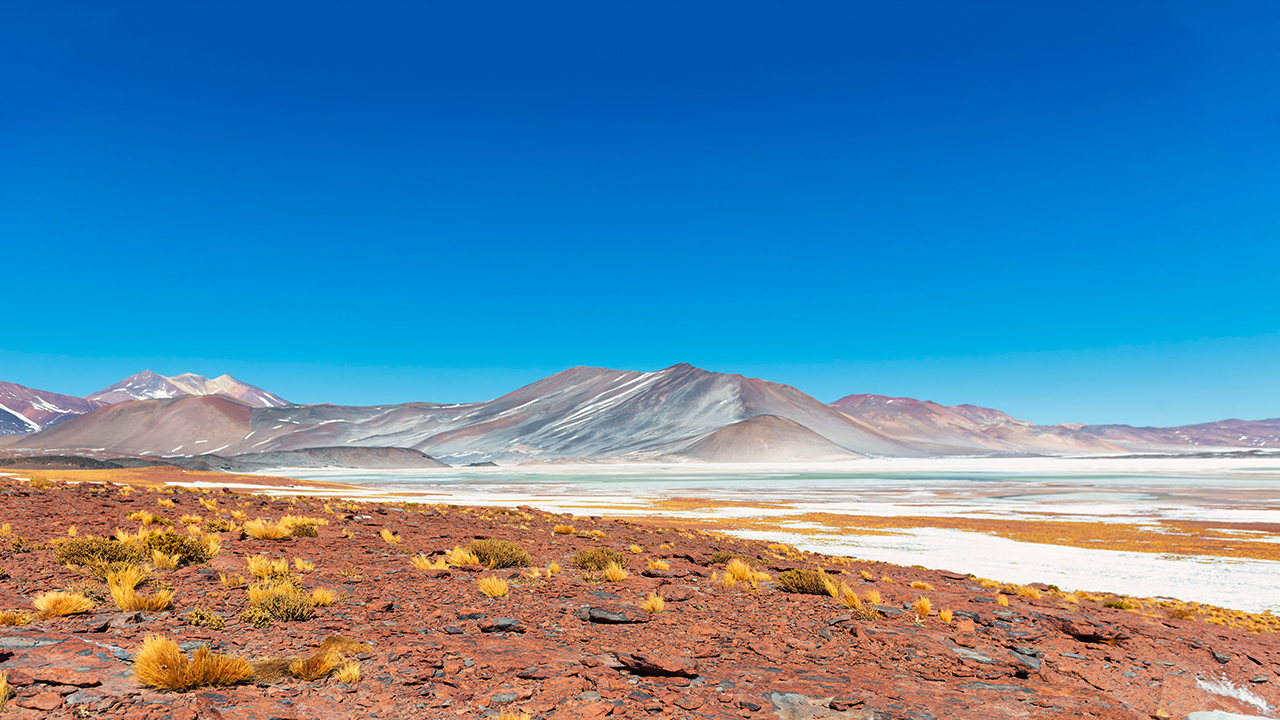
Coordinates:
[1068,212]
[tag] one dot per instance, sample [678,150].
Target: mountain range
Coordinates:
[677,414]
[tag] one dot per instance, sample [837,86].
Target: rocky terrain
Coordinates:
[575,644]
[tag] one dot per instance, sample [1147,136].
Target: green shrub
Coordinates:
[500,553]
[203,618]
[94,552]
[190,550]
[257,617]
[598,559]
[216,525]
[805,581]
[287,606]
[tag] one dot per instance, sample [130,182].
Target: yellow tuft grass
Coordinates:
[316,666]
[71,531]
[653,603]
[321,597]
[493,587]
[239,515]
[1028,592]
[613,572]
[10,618]
[190,519]
[921,585]
[164,561]
[849,598]
[506,714]
[303,566]
[390,537]
[165,503]
[209,503]
[5,529]
[349,673]
[263,567]
[865,575]
[636,549]
[422,562]
[146,518]
[130,576]
[231,581]
[161,664]
[922,607]
[1002,600]
[57,604]
[128,599]
[873,597]
[1071,598]
[564,530]
[532,573]
[461,556]
[945,616]
[263,529]
[5,690]
[553,568]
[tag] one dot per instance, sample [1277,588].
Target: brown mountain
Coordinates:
[24,410]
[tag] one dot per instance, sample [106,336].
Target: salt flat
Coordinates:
[823,507]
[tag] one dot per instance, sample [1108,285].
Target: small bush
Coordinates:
[186,549]
[598,559]
[41,482]
[1121,604]
[93,552]
[216,525]
[497,554]
[161,664]
[203,618]
[492,587]
[808,582]
[257,617]
[564,530]
[286,606]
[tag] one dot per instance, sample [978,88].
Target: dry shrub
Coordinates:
[390,537]
[613,572]
[653,603]
[286,606]
[598,559]
[186,549]
[162,665]
[321,597]
[1122,604]
[57,604]
[564,530]
[492,587]
[1177,613]
[10,618]
[422,562]
[922,607]
[203,618]
[461,556]
[945,616]
[93,552]
[216,525]
[807,581]
[41,482]
[263,529]
[921,585]
[497,554]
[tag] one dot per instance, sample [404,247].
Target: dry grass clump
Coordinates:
[303,566]
[123,583]
[11,618]
[553,567]
[598,559]
[653,604]
[266,568]
[807,581]
[347,674]
[497,554]
[5,690]
[165,503]
[422,562]
[40,482]
[203,618]
[321,597]
[390,537]
[636,549]
[216,525]
[300,526]
[613,572]
[93,552]
[263,529]
[316,666]
[1002,600]
[190,519]
[231,581]
[921,585]
[492,587]
[146,518]
[461,556]
[718,558]
[658,564]
[945,616]
[161,664]
[744,572]
[564,530]
[58,604]
[873,597]
[922,607]
[1027,592]
[183,549]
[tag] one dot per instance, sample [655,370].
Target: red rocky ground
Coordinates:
[572,647]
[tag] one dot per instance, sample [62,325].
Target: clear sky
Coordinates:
[1068,211]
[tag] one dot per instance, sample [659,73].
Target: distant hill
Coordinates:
[26,410]
[680,413]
